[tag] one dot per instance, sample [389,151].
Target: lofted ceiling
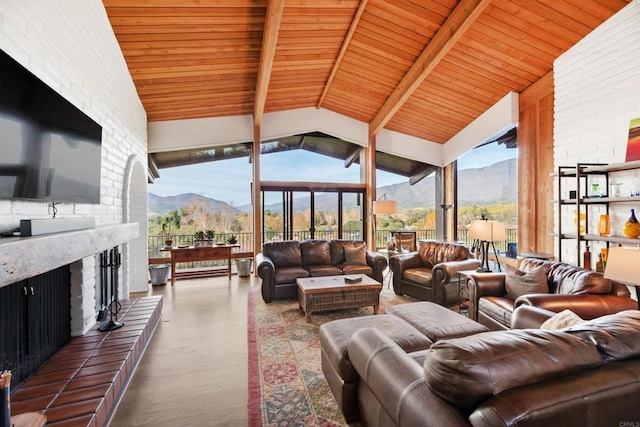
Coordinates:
[425,68]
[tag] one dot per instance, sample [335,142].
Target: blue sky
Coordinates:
[230,180]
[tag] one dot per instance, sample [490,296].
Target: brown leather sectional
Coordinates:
[585,292]
[587,375]
[281,263]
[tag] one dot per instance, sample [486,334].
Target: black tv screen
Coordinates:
[49,149]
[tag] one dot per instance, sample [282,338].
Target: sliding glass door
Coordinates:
[292,214]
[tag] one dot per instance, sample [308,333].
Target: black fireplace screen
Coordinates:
[35,321]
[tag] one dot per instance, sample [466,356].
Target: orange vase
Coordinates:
[604,225]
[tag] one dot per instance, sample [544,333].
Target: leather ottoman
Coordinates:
[414,327]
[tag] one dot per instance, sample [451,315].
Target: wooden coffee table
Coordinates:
[333,293]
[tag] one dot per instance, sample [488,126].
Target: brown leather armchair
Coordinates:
[431,273]
[585,292]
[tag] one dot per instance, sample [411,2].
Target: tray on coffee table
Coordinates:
[333,293]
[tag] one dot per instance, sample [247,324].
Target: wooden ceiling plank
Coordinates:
[531,69]
[184,3]
[460,19]
[534,60]
[343,49]
[418,20]
[269,42]
[602,10]
[149,21]
[533,30]
[116,12]
[185,29]
[398,39]
[552,14]
[150,40]
[440,7]
[385,52]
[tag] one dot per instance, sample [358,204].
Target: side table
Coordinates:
[388,277]
[463,297]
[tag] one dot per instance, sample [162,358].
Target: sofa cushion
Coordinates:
[562,320]
[323,270]
[617,336]
[315,252]
[499,309]
[421,276]
[518,282]
[356,269]
[337,249]
[435,321]
[568,279]
[465,371]
[586,282]
[289,274]
[355,255]
[432,252]
[283,254]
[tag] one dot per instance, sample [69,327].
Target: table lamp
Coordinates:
[622,266]
[487,232]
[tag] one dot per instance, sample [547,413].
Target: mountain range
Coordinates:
[476,186]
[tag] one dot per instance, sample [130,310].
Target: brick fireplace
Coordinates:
[25,266]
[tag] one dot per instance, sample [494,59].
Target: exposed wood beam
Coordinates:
[454,27]
[269,42]
[423,172]
[343,49]
[352,157]
[370,183]
[255,196]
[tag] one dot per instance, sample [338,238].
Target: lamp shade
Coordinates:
[622,265]
[488,231]
[385,207]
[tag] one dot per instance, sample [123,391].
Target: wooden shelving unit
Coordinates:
[581,174]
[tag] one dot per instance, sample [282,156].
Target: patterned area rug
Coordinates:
[286,384]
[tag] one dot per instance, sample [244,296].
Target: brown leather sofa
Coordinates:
[431,273]
[587,375]
[585,292]
[281,263]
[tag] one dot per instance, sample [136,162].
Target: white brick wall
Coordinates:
[83,293]
[70,46]
[597,94]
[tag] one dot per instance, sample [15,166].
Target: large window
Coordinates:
[487,187]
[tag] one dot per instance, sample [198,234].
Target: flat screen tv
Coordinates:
[49,149]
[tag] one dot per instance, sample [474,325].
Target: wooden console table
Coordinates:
[196,254]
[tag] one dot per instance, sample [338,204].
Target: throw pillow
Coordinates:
[355,255]
[564,319]
[519,283]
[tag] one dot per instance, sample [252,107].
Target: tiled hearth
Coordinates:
[82,383]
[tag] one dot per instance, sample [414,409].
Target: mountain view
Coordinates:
[487,185]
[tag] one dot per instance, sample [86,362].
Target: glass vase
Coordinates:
[604,225]
[632,226]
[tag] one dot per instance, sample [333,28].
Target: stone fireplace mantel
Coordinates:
[24,257]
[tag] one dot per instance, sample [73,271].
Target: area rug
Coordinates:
[286,384]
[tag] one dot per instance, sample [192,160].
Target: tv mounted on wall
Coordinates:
[49,149]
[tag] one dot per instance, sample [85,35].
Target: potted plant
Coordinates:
[170,220]
[210,234]
[198,238]
[233,240]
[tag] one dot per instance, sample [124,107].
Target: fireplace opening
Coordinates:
[35,321]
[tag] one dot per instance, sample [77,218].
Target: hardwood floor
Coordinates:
[194,370]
